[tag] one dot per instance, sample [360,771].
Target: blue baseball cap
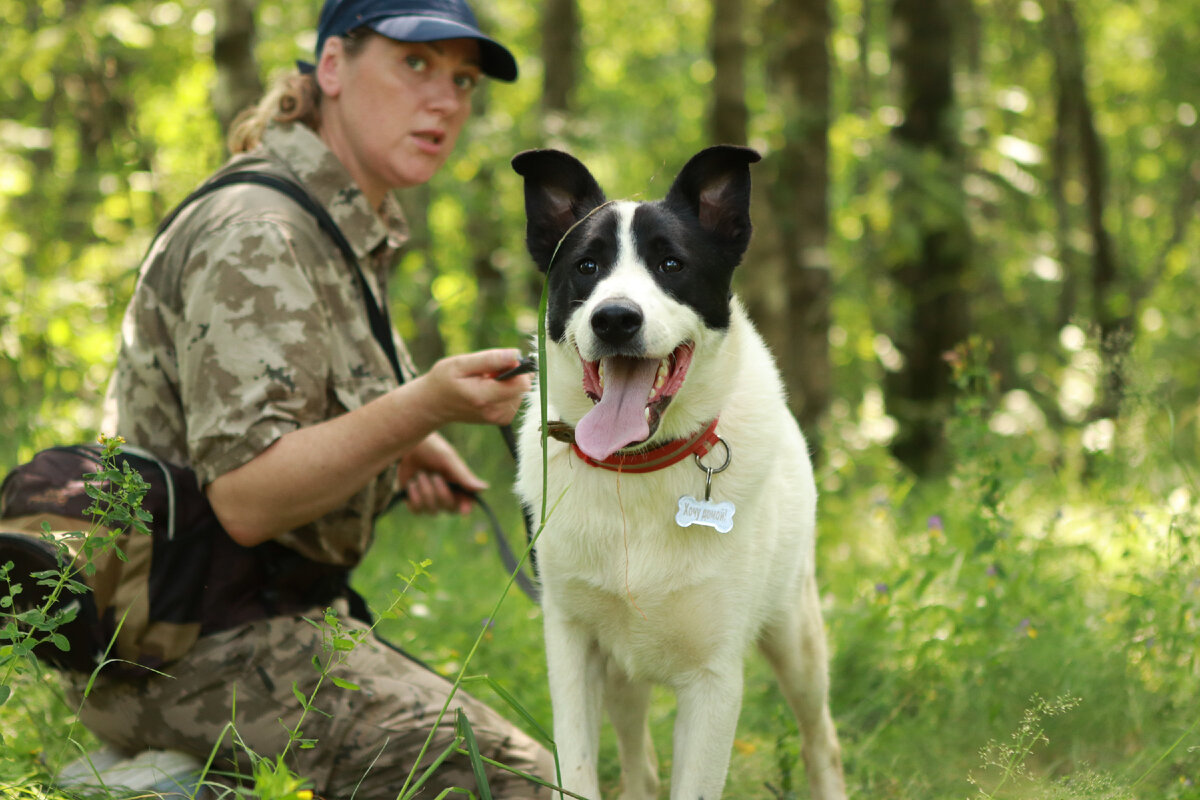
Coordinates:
[414,21]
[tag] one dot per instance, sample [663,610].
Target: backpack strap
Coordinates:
[377,314]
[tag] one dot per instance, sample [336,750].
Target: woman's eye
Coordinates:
[670,265]
[466,82]
[416,63]
[587,267]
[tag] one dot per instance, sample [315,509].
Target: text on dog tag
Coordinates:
[705,512]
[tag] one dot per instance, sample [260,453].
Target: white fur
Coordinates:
[632,599]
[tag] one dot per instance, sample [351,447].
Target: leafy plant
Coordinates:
[116,494]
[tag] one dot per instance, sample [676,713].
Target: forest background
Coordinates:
[975,259]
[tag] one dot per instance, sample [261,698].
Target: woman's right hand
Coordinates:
[463,388]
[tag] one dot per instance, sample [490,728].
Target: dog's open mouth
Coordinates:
[630,395]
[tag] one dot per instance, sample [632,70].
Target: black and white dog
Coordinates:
[681,496]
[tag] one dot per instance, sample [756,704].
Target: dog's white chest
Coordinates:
[657,636]
[652,595]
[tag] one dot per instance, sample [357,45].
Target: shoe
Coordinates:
[154,773]
[83,769]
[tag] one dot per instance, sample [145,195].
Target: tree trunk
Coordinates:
[560,67]
[238,84]
[929,202]
[729,116]
[791,253]
[1112,310]
[560,54]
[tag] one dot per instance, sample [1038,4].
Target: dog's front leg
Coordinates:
[628,704]
[576,670]
[704,729]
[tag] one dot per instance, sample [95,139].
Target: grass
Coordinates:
[1024,627]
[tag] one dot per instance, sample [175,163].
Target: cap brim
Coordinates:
[494,58]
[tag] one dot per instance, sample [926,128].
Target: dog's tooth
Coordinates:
[647,413]
[600,370]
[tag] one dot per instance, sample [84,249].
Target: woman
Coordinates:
[247,355]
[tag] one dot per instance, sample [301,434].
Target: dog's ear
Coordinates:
[559,191]
[714,186]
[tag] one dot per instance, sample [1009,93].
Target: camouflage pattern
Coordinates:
[367,740]
[247,324]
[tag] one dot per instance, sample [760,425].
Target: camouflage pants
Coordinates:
[367,740]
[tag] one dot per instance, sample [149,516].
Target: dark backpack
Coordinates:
[160,592]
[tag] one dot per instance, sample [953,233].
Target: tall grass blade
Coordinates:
[515,705]
[463,727]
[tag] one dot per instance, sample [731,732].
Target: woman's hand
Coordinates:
[464,389]
[426,473]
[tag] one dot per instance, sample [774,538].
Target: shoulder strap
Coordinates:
[377,314]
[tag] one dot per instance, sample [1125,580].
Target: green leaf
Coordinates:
[34,617]
[463,728]
[344,684]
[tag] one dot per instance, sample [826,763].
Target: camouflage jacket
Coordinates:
[247,323]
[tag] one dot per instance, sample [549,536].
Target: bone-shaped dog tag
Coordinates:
[705,512]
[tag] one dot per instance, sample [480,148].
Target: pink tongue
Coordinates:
[620,416]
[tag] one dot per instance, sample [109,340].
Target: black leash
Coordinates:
[381,329]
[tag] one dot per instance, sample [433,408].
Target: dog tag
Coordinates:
[705,512]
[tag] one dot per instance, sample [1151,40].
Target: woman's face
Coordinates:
[393,112]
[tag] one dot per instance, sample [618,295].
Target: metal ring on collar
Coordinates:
[724,464]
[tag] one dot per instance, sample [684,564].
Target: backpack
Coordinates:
[152,595]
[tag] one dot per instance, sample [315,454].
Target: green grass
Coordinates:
[952,605]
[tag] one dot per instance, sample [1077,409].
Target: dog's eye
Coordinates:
[670,265]
[587,267]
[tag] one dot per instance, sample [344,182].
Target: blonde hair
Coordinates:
[293,97]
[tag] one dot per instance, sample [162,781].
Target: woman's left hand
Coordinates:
[426,473]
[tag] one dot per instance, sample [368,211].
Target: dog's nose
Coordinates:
[617,321]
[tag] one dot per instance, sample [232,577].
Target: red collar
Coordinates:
[656,458]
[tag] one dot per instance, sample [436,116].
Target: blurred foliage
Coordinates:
[1059,557]
[105,122]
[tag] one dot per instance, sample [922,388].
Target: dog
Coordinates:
[681,502]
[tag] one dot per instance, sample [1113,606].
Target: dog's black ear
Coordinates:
[715,187]
[559,191]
